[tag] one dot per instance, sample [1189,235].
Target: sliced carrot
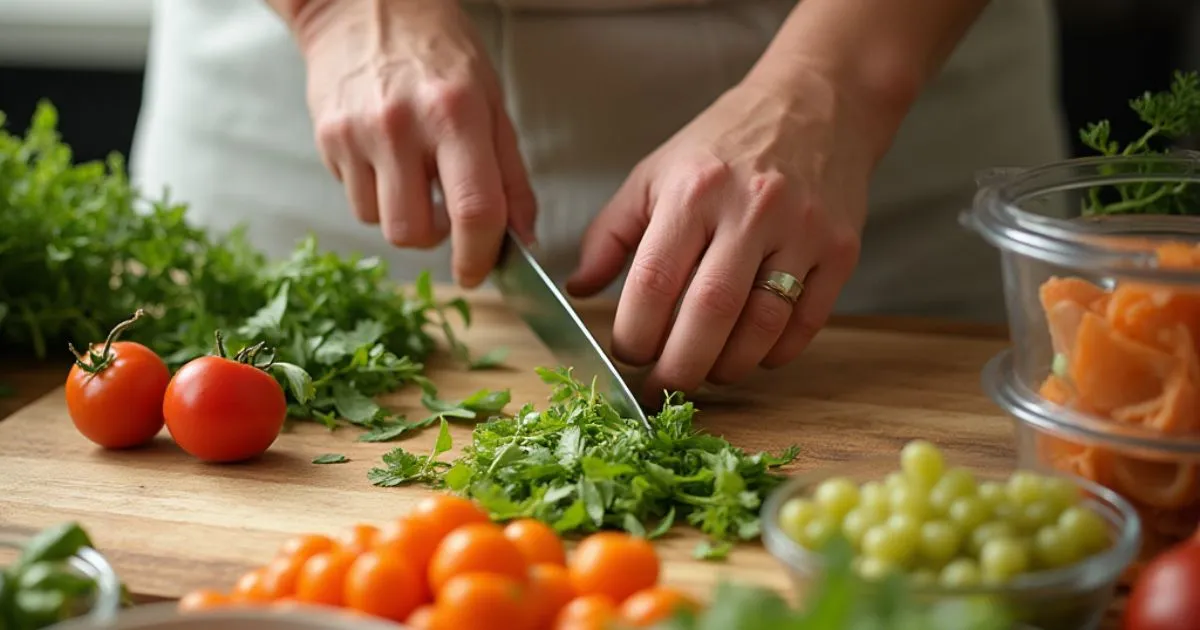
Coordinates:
[1109,370]
[1057,391]
[1065,301]
[1166,485]
[1073,458]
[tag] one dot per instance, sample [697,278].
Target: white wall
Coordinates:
[108,34]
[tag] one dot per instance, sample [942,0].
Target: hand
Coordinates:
[766,179]
[401,94]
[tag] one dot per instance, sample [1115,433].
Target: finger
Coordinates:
[612,237]
[821,289]
[665,259]
[518,193]
[760,324]
[406,213]
[358,177]
[715,298]
[470,179]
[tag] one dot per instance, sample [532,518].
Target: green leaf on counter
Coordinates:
[402,467]
[490,359]
[330,458]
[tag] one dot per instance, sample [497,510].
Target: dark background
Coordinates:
[1111,51]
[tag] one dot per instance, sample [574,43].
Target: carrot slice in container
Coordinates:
[1065,301]
[1165,485]
[1109,370]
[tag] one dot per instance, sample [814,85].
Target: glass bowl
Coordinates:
[1158,474]
[103,606]
[1077,596]
[165,616]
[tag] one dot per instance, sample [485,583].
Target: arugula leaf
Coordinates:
[330,458]
[580,466]
[403,467]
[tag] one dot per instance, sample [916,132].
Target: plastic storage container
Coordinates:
[105,603]
[1104,311]
[1076,596]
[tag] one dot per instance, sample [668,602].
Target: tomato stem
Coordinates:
[95,362]
[248,354]
[220,345]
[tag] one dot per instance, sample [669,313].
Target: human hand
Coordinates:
[765,180]
[401,94]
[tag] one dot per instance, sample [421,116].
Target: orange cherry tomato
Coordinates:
[322,578]
[482,601]
[385,585]
[280,574]
[223,410]
[549,591]
[115,391]
[305,546]
[613,564]
[413,538]
[475,548]
[422,618]
[202,599]
[359,538]
[588,612]
[446,513]
[538,542]
[251,588]
[652,605]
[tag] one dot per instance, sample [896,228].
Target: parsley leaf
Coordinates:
[580,466]
[330,458]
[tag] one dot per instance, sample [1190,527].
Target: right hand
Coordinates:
[401,94]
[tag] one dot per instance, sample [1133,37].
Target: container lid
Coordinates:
[1004,214]
[1001,382]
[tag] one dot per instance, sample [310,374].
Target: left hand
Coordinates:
[767,179]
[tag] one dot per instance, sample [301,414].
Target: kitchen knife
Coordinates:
[532,294]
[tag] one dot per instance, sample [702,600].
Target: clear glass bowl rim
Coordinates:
[1001,383]
[1096,571]
[996,215]
[166,614]
[107,602]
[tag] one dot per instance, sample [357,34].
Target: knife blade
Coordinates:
[531,293]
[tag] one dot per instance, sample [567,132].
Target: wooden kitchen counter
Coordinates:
[170,524]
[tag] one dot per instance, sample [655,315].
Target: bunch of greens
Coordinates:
[41,588]
[1170,116]
[80,250]
[580,466]
[840,601]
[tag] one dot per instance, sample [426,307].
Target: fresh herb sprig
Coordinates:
[1170,115]
[80,249]
[580,466]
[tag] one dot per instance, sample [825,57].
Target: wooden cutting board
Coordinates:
[170,524]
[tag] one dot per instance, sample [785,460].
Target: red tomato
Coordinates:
[1166,595]
[115,392]
[222,410]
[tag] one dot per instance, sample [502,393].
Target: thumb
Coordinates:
[612,237]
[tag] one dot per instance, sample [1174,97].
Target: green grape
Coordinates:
[1002,559]
[895,480]
[922,463]
[836,496]
[818,531]
[794,515]
[1060,492]
[889,544]
[858,521]
[1034,516]
[991,493]
[989,531]
[909,500]
[1024,487]
[873,496]
[1088,529]
[967,513]
[939,542]
[904,525]
[960,573]
[1053,548]
[871,568]
[960,481]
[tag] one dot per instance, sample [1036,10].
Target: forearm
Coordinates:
[880,53]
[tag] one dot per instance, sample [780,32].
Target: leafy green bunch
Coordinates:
[1170,116]
[581,466]
[80,250]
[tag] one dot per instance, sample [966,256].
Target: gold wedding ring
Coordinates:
[781,283]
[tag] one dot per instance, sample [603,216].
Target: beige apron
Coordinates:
[593,86]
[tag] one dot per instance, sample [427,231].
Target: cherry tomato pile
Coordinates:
[216,409]
[446,566]
[943,526]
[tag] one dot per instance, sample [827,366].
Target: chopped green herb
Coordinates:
[330,458]
[580,467]
[1170,116]
[80,249]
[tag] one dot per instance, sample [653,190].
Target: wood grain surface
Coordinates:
[170,524]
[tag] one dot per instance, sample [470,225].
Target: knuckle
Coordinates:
[769,317]
[394,122]
[717,297]
[654,275]
[336,131]
[701,180]
[448,106]
[844,246]
[766,192]
[474,209]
